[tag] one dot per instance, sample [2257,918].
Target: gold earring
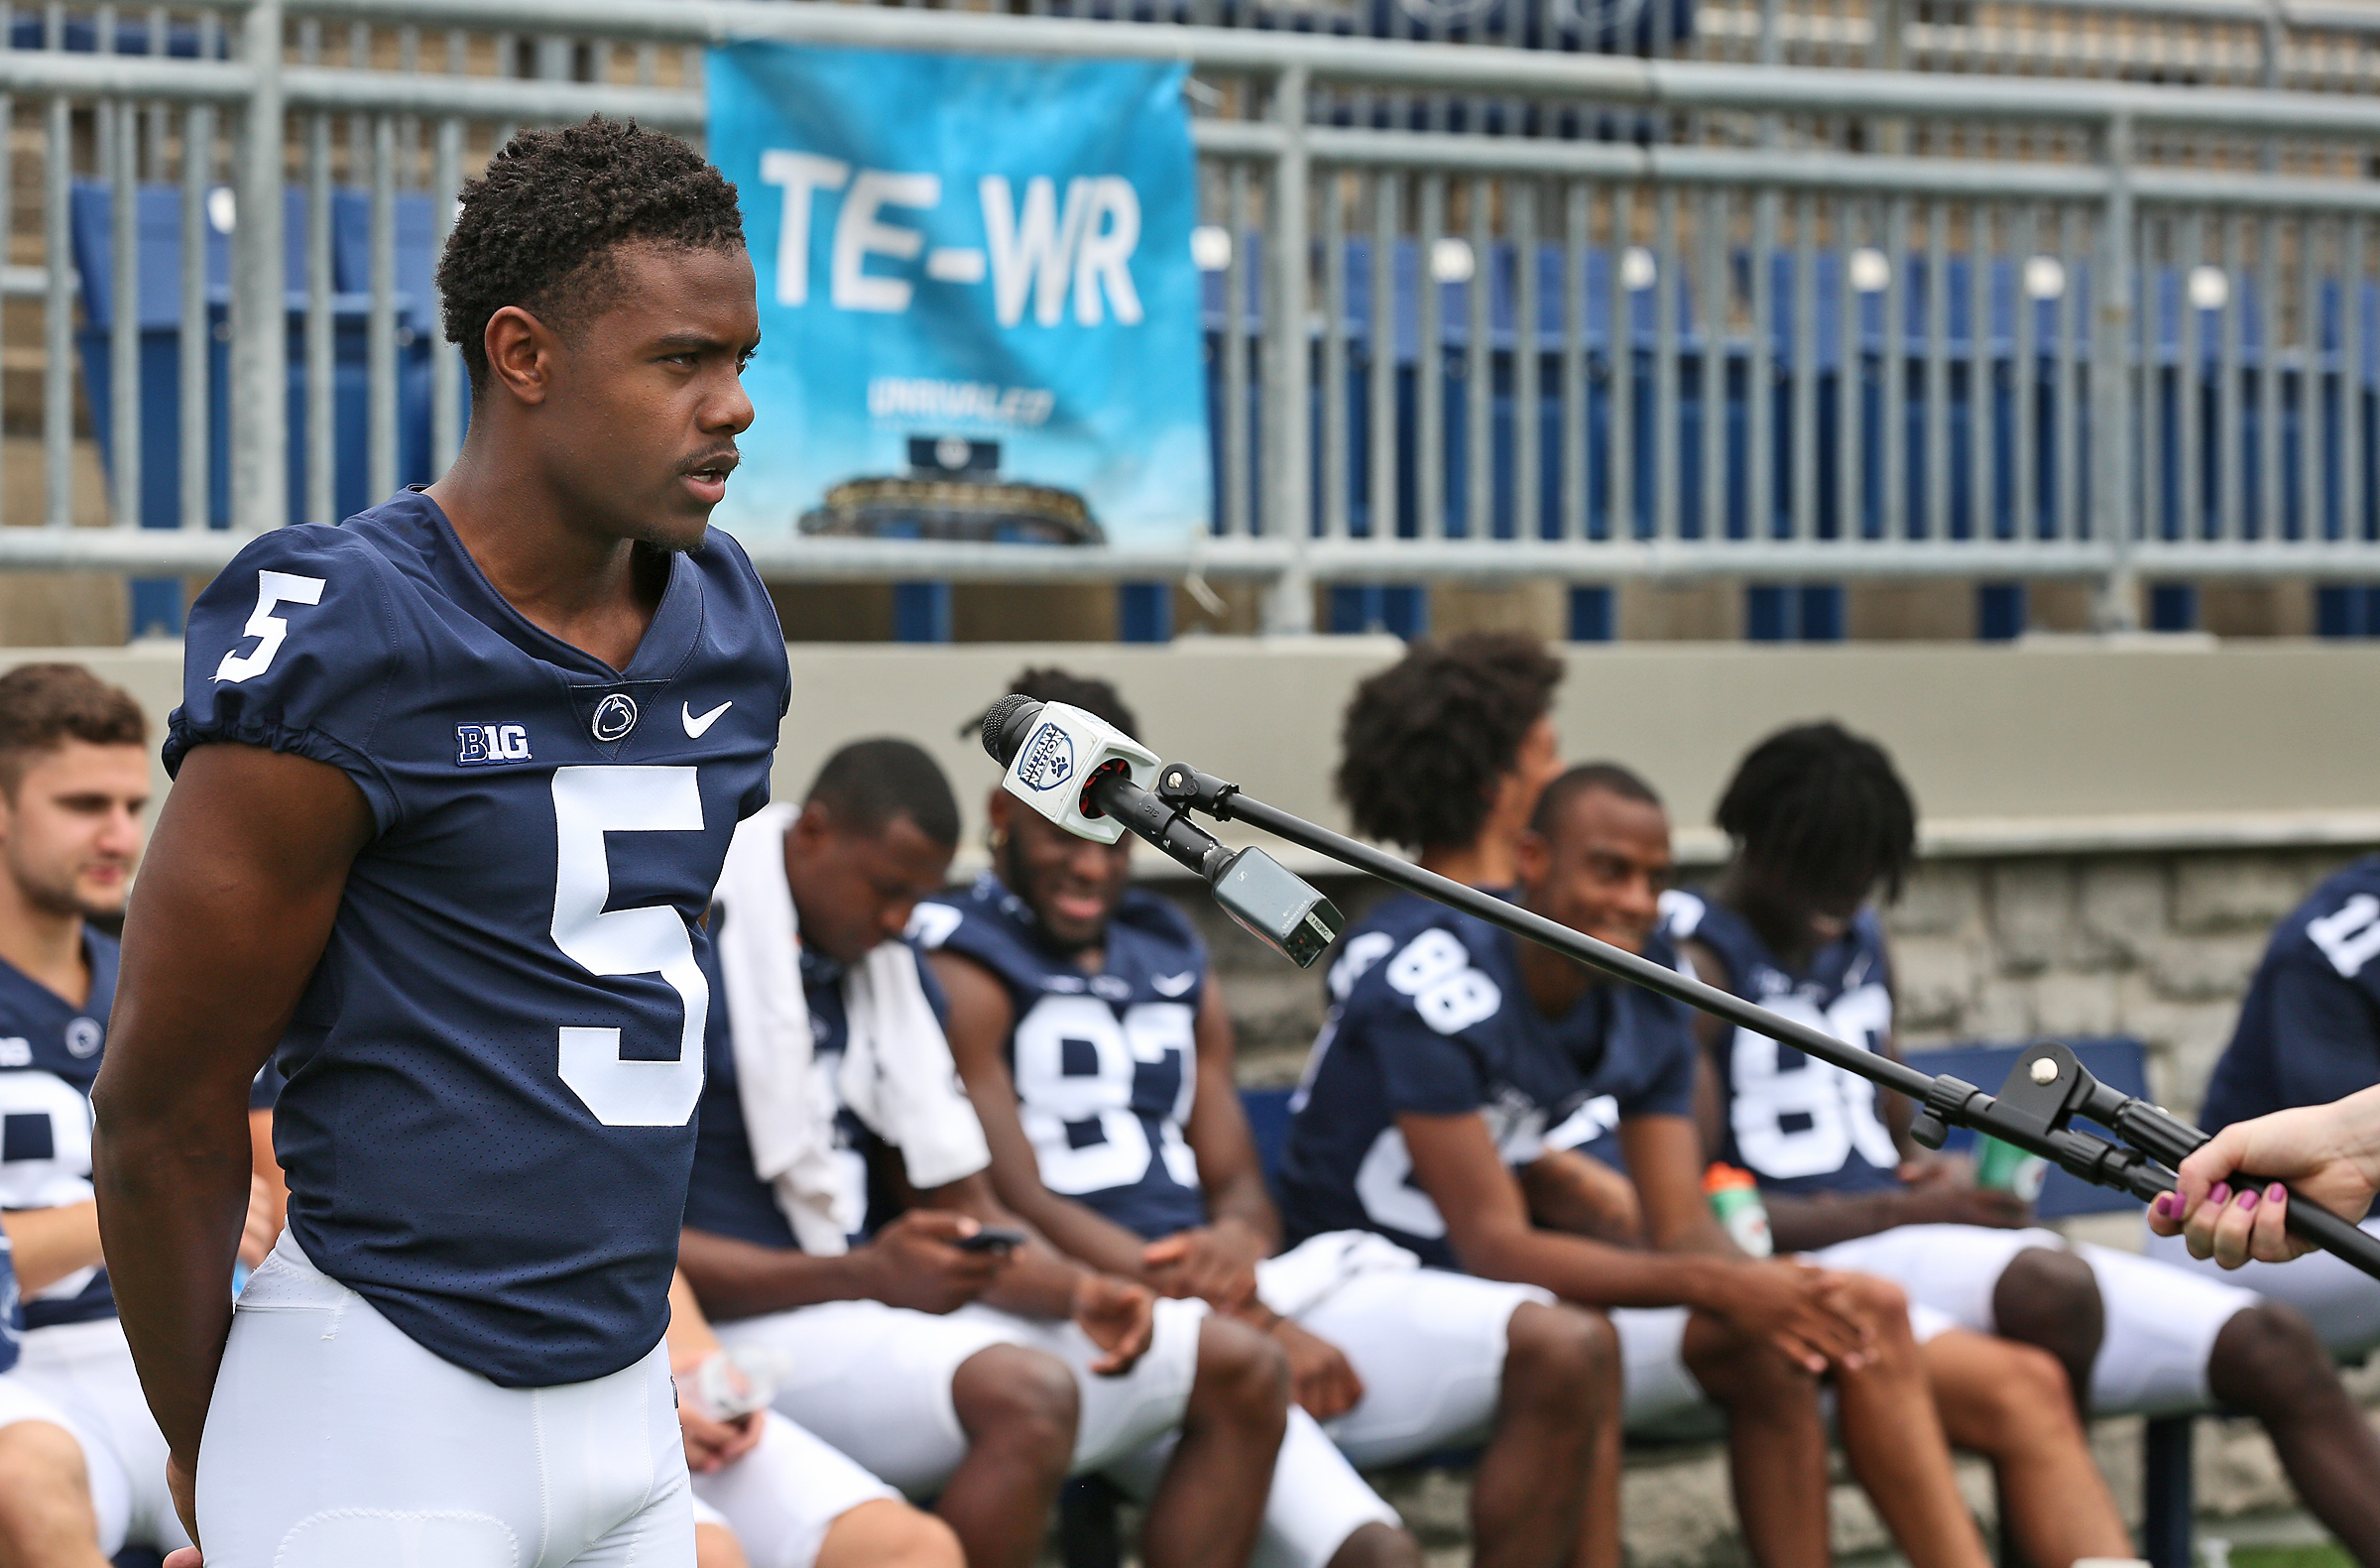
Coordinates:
[996,840]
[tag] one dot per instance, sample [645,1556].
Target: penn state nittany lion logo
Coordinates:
[1048,759]
[615,716]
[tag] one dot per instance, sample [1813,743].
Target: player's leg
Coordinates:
[952,1404]
[2010,1404]
[1446,1361]
[1210,1501]
[716,1544]
[81,1375]
[2176,1338]
[1776,1441]
[47,1515]
[1892,1436]
[796,1502]
[2335,1297]
[2048,1298]
[333,1439]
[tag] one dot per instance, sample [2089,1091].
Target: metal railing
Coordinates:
[1589,317]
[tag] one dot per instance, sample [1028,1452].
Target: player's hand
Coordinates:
[712,1446]
[182,1484]
[2331,1151]
[1120,1315]
[263,1223]
[1216,1263]
[1927,1169]
[1797,1308]
[912,1263]
[1319,1373]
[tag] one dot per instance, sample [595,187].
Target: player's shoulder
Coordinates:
[2337,926]
[1452,970]
[983,921]
[1152,914]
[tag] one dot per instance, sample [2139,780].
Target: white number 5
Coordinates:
[589,802]
[271,588]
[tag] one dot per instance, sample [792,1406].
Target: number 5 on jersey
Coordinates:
[272,589]
[589,802]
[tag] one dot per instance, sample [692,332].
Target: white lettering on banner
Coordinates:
[921,398]
[800,174]
[1106,254]
[859,235]
[1032,247]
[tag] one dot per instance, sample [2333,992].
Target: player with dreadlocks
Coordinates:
[1821,823]
[440,849]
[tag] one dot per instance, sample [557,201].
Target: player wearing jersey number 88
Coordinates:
[477,968]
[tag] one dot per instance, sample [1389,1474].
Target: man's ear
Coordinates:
[996,810]
[1532,856]
[520,352]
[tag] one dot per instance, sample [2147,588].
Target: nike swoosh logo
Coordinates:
[1172,985]
[697,727]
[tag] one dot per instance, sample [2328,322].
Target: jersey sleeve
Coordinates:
[1667,1031]
[2327,1026]
[1415,1010]
[289,650]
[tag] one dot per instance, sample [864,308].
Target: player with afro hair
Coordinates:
[1444,751]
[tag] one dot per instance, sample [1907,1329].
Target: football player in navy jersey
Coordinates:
[2309,1034]
[1459,1055]
[1820,823]
[1098,1052]
[839,1196]
[73,783]
[454,780]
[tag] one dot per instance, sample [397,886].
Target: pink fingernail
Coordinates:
[2220,1195]
[2164,1205]
[2274,1193]
[2247,1201]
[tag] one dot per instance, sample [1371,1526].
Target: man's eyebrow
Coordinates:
[679,342]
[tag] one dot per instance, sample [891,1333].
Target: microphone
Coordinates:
[1092,780]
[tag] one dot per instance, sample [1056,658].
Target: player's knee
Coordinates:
[1740,1371]
[1023,1399]
[886,1533]
[2028,1393]
[1243,1376]
[716,1546]
[1377,1545]
[45,1483]
[2268,1360]
[2050,1297]
[1561,1357]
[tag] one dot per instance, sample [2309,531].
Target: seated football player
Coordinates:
[2309,1034]
[73,782]
[1095,1041]
[769,1495]
[839,1215]
[1820,823]
[1426,1110]
[2006,1400]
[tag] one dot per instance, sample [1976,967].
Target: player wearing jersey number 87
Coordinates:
[478,966]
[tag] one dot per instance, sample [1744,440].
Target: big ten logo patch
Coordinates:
[481,744]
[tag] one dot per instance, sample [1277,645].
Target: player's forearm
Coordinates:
[1593,1274]
[1244,1202]
[1080,1232]
[173,1200]
[738,1279]
[50,1244]
[1805,1225]
[1039,1283]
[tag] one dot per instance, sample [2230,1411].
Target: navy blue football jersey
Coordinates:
[2310,1029]
[49,1052]
[1106,1064]
[1800,1126]
[491,1078]
[726,1197]
[1433,1020]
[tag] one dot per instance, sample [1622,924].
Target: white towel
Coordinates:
[896,1073]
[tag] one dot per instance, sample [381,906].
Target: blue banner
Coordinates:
[978,314]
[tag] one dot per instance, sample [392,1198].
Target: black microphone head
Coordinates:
[1005,723]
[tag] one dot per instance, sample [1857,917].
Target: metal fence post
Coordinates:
[1288,377]
[260,472]
[2113,512]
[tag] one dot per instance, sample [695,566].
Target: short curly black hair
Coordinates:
[1825,809]
[1425,740]
[538,228]
[1050,684]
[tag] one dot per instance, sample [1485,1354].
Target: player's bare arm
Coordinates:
[911,1262]
[1217,1262]
[50,1244]
[1039,1281]
[232,913]
[1572,1191]
[980,1017]
[1457,1163]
